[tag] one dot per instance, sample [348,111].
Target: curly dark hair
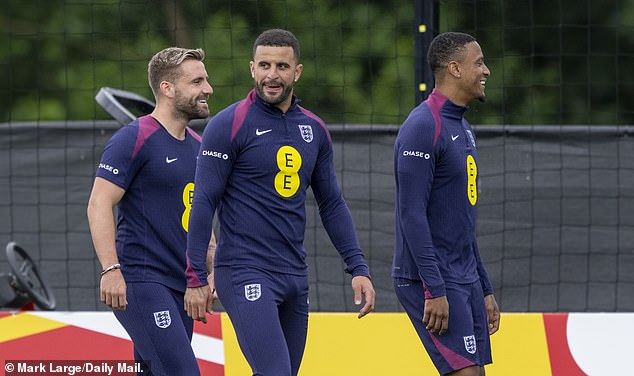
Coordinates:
[446,47]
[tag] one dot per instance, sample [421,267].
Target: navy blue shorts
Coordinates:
[160,330]
[269,313]
[466,342]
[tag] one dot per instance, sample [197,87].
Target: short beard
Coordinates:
[187,110]
[286,92]
[482,99]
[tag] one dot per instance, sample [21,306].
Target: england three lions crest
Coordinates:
[162,319]
[470,344]
[307,132]
[252,292]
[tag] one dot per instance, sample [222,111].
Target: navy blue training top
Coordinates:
[157,172]
[435,167]
[254,168]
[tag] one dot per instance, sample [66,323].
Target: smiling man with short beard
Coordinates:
[259,156]
[146,170]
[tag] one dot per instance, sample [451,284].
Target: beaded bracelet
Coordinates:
[111,268]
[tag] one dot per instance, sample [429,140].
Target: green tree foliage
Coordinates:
[357,55]
[552,62]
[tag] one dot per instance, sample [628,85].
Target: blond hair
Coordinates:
[164,65]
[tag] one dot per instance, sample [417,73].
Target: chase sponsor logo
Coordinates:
[416,153]
[215,154]
[107,167]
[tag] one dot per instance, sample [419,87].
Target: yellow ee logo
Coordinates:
[188,197]
[472,174]
[289,162]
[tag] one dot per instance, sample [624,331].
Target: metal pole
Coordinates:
[427,25]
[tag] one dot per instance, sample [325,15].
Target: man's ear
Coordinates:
[167,89]
[454,69]
[298,71]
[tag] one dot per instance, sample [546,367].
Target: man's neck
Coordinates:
[452,93]
[175,127]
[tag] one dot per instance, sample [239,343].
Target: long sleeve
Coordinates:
[212,171]
[415,167]
[335,214]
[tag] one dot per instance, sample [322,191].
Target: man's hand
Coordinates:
[436,315]
[113,290]
[214,296]
[493,313]
[198,302]
[362,287]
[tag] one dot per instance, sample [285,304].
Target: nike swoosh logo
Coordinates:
[453,138]
[260,133]
[168,160]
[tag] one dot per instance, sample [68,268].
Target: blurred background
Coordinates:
[556,219]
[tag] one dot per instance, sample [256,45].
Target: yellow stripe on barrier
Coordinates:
[341,344]
[520,347]
[378,344]
[386,344]
[24,324]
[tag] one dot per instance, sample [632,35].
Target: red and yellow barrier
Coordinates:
[528,344]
